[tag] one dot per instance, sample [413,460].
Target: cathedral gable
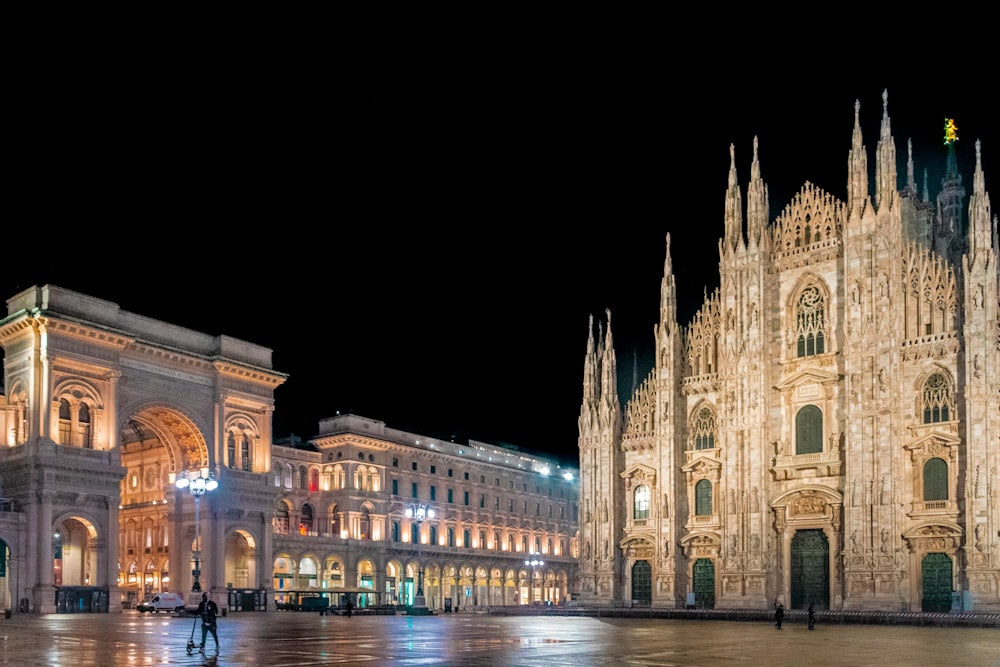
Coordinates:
[813,221]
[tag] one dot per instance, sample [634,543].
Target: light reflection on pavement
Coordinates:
[279,639]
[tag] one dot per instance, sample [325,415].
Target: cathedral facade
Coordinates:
[826,429]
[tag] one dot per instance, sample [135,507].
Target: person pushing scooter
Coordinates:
[209,612]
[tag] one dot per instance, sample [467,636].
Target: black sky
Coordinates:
[424,242]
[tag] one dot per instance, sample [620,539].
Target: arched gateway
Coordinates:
[102,410]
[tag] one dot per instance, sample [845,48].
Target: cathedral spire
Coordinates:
[980,232]
[949,225]
[757,202]
[734,208]
[857,167]
[911,183]
[590,379]
[668,293]
[885,160]
[609,411]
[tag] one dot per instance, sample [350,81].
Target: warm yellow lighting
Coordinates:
[950,131]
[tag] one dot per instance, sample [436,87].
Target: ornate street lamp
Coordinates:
[419,514]
[198,482]
[533,563]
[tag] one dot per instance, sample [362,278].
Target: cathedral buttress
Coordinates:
[981,333]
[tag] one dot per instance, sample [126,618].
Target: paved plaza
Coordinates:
[280,639]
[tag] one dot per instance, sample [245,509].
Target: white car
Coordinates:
[162,602]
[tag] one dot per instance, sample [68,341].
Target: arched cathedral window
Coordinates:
[810,323]
[809,430]
[938,398]
[640,506]
[704,429]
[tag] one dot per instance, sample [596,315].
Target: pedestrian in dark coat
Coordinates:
[779,615]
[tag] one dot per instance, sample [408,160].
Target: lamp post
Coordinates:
[198,482]
[533,563]
[419,514]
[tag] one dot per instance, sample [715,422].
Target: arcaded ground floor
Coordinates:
[280,639]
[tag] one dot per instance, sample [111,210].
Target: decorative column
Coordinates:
[44,593]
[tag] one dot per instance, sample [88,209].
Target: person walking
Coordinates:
[209,612]
[812,616]
[779,615]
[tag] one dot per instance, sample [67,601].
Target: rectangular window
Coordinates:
[482,479]
[466,497]
[496,503]
[482,500]
[466,475]
[413,490]
[433,492]
[524,507]
[433,470]
[451,498]
[451,473]
[395,462]
[395,487]
[497,482]
[510,505]
[414,465]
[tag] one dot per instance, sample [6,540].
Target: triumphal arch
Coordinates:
[103,410]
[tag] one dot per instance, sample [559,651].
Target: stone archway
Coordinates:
[241,560]
[157,520]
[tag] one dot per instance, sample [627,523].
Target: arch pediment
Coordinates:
[701,539]
[825,494]
[934,529]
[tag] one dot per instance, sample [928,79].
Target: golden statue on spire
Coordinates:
[950,131]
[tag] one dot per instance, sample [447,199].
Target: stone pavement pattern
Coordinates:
[280,639]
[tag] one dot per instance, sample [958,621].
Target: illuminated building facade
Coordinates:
[826,429]
[340,519]
[104,409]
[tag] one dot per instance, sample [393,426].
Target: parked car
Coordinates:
[162,602]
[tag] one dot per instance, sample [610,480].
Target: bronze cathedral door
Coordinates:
[810,569]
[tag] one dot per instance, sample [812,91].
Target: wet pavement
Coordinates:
[279,639]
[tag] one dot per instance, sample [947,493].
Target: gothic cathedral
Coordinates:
[826,429]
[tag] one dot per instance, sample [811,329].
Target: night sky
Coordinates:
[424,243]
